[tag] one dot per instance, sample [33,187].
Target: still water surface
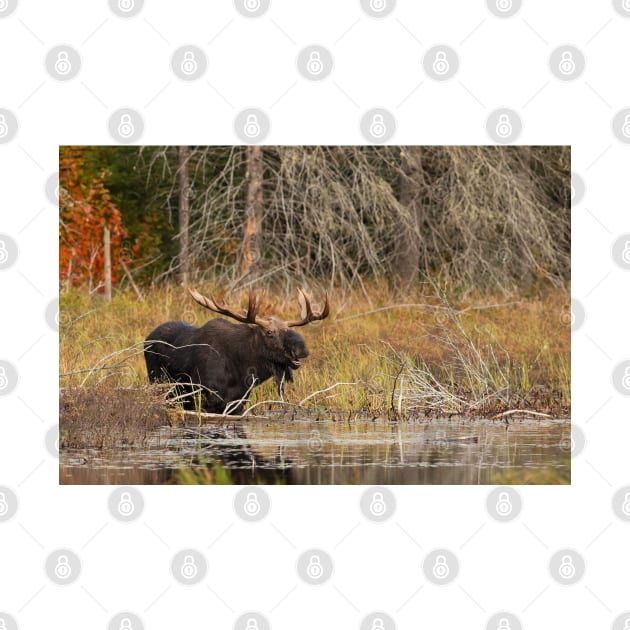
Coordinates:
[305,451]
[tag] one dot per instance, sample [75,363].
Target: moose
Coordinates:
[217,365]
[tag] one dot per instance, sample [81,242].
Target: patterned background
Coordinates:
[71,557]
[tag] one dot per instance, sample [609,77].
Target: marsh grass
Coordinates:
[422,357]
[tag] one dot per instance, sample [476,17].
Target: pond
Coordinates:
[316,451]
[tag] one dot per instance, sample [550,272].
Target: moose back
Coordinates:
[215,367]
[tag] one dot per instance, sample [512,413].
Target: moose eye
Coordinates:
[269,333]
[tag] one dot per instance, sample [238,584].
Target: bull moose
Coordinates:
[217,365]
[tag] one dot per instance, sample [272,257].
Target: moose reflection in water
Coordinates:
[305,451]
[217,365]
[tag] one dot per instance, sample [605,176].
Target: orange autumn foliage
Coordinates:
[85,208]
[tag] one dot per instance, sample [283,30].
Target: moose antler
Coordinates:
[310,316]
[211,304]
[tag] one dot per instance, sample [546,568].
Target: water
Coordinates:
[364,451]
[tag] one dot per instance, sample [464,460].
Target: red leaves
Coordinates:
[85,208]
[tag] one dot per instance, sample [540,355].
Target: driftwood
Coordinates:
[523,411]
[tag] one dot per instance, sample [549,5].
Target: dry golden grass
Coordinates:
[486,355]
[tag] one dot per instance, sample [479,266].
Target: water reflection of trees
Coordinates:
[272,452]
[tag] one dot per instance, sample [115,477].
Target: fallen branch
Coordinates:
[134,286]
[525,411]
[321,391]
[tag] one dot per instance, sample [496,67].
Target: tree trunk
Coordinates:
[254,209]
[408,247]
[184,215]
[107,264]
